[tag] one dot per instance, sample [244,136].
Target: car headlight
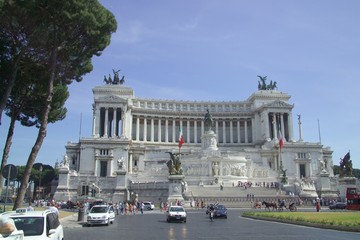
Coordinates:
[104,217]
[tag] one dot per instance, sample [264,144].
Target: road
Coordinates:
[153,225]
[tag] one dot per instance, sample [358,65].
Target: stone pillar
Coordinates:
[274,126]
[202,127]
[246,130]
[166,130]
[137,128]
[188,130]
[152,129]
[231,132]
[252,130]
[224,132]
[130,162]
[195,131]
[159,130]
[173,131]
[106,122]
[145,129]
[114,130]
[94,122]
[238,131]
[282,127]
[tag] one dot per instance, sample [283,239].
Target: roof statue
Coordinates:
[263,86]
[208,121]
[115,80]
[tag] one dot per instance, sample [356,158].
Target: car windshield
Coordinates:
[32,226]
[98,210]
[220,207]
[176,209]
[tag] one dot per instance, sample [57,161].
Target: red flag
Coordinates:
[181,138]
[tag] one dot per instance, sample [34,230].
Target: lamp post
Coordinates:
[40,170]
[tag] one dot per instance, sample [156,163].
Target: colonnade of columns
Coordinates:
[108,122]
[280,123]
[157,129]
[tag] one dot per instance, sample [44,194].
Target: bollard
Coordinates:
[81,215]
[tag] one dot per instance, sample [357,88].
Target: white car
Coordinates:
[148,206]
[37,225]
[176,213]
[101,214]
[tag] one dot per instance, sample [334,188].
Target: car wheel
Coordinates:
[185,221]
[107,224]
[168,220]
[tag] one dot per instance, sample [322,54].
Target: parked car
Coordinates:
[220,211]
[176,213]
[101,215]
[338,205]
[37,224]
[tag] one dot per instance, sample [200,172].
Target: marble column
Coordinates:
[159,130]
[231,132]
[246,130]
[166,129]
[145,129]
[238,131]
[106,122]
[195,131]
[137,128]
[290,127]
[188,130]
[274,125]
[152,129]
[174,131]
[282,127]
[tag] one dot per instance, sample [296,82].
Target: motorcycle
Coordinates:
[211,215]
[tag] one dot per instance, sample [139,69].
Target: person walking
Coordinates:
[142,208]
[318,206]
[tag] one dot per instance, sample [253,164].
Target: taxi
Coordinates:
[37,225]
[101,214]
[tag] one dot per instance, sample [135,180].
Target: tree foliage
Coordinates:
[61,37]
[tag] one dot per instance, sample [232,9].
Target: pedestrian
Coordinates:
[318,206]
[142,208]
[7,226]
[54,209]
[30,208]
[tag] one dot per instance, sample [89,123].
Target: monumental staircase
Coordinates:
[235,196]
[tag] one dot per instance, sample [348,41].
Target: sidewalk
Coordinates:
[72,221]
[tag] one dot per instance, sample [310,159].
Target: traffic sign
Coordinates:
[9,171]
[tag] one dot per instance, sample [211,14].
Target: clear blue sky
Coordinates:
[213,50]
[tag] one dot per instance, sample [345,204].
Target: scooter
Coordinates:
[211,215]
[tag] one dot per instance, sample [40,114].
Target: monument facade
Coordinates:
[224,143]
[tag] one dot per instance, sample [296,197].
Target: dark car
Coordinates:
[338,205]
[220,211]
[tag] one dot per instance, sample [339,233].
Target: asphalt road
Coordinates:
[153,225]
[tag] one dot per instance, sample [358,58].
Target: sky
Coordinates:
[213,50]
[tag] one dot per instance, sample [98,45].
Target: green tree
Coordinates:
[72,32]
[24,106]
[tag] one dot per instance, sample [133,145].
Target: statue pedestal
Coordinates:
[325,186]
[209,141]
[344,183]
[62,190]
[121,186]
[175,189]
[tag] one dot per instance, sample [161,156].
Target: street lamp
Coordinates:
[40,170]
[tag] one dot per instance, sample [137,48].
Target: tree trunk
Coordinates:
[41,135]
[7,147]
